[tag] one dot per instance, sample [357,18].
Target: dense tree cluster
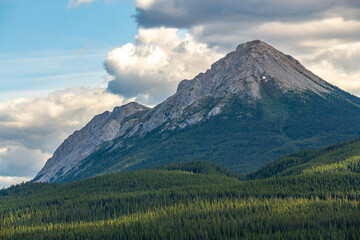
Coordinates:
[192,200]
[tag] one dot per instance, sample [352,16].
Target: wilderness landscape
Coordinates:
[306,195]
[179,119]
[252,106]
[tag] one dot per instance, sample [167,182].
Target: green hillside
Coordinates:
[201,167]
[196,200]
[344,157]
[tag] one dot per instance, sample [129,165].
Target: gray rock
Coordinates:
[237,74]
[82,143]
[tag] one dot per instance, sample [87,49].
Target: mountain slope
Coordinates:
[342,158]
[82,143]
[254,105]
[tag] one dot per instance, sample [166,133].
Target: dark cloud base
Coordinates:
[189,13]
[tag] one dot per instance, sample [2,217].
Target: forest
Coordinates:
[306,195]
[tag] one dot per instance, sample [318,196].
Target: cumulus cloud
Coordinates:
[16,160]
[338,65]
[144,4]
[32,128]
[8,181]
[151,68]
[301,24]
[295,37]
[344,57]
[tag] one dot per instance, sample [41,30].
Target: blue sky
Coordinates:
[45,45]
[64,61]
[38,25]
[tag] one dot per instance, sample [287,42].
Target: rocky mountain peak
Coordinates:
[255,45]
[252,63]
[242,75]
[127,110]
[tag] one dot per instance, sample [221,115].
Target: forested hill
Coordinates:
[343,157]
[313,196]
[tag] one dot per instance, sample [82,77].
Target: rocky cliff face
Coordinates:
[243,77]
[239,74]
[103,127]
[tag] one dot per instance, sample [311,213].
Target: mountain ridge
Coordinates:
[253,93]
[101,128]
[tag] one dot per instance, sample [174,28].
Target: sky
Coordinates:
[64,61]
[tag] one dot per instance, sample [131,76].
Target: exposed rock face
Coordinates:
[240,74]
[82,143]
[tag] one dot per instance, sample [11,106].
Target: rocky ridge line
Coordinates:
[103,127]
[239,73]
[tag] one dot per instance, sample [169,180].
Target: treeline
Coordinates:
[196,200]
[113,198]
[226,219]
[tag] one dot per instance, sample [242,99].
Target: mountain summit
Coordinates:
[253,63]
[240,74]
[254,105]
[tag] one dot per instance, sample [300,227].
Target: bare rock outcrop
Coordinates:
[103,127]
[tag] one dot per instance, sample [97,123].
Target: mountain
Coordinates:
[80,144]
[254,105]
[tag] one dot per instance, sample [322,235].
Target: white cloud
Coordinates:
[323,28]
[43,122]
[3,150]
[144,4]
[76,3]
[338,65]
[8,181]
[297,36]
[19,160]
[155,63]
[32,128]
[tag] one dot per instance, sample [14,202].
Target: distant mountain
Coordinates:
[254,105]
